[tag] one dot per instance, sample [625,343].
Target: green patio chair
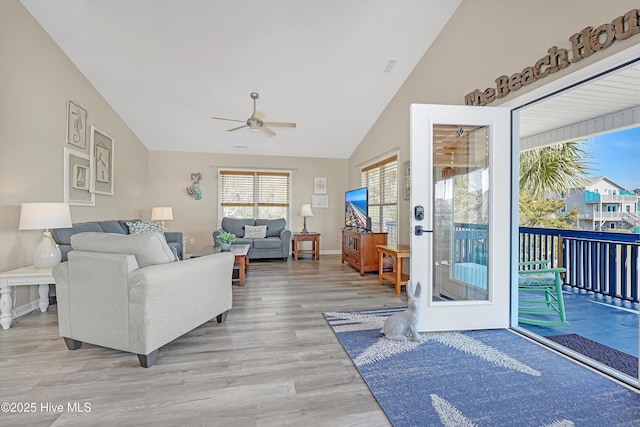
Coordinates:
[541,302]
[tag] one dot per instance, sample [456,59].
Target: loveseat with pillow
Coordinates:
[269,238]
[128,292]
[62,236]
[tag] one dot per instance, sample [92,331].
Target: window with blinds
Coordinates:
[254,194]
[381,179]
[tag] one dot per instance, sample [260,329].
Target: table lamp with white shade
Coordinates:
[162,214]
[44,216]
[305,211]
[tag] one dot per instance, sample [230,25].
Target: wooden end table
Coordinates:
[312,237]
[397,277]
[23,276]
[241,253]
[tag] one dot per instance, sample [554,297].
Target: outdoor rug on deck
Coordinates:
[478,378]
[606,355]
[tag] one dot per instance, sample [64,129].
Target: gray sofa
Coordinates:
[275,244]
[125,292]
[62,236]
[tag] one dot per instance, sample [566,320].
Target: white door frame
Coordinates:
[436,315]
[616,60]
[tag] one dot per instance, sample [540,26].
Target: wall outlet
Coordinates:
[192,241]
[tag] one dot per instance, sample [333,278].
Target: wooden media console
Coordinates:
[359,249]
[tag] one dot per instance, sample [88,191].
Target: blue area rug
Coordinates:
[478,378]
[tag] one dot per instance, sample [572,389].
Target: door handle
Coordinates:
[419,230]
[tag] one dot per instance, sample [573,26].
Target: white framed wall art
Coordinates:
[77,171]
[102,162]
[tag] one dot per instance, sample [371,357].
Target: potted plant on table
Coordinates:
[225,240]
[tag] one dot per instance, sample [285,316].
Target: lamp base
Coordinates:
[304,229]
[47,253]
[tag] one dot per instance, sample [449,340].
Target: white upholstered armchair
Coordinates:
[128,293]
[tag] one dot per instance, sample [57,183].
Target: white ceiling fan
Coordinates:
[255,121]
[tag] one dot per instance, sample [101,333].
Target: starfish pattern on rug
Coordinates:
[385,349]
[476,378]
[351,321]
[450,416]
[479,349]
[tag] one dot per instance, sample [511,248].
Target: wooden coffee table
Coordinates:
[241,253]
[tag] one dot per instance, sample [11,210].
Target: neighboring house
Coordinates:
[605,205]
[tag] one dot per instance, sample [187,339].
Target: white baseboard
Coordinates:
[331,252]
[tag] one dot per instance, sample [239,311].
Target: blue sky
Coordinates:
[617,156]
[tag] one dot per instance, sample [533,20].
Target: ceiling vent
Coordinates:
[389,66]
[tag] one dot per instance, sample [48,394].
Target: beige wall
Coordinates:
[483,40]
[36,80]
[169,175]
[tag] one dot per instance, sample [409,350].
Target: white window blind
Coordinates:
[381,179]
[254,194]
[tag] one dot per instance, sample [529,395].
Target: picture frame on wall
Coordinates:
[102,162]
[77,167]
[76,125]
[319,185]
[407,180]
[319,201]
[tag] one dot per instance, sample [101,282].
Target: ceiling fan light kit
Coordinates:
[255,121]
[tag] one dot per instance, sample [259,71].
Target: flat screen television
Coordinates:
[356,208]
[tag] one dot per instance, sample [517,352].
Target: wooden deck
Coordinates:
[608,321]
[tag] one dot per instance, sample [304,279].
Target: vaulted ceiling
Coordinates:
[167,67]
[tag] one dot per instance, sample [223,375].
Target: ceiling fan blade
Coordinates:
[231,120]
[268,131]
[258,115]
[280,124]
[239,127]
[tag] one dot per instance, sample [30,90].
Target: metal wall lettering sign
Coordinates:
[583,44]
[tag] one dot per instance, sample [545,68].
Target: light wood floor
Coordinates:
[274,362]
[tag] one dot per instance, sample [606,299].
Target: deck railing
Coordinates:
[470,243]
[622,196]
[606,263]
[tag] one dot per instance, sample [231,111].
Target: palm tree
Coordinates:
[547,170]
[554,169]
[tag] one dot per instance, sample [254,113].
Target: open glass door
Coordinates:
[461,215]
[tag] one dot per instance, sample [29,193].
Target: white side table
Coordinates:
[23,276]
